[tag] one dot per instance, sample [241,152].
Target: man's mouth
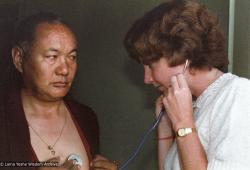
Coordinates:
[60,84]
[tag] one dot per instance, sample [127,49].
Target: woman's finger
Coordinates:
[182,81]
[158,105]
[99,157]
[76,167]
[105,164]
[174,83]
[69,164]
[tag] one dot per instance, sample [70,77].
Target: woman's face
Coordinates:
[159,74]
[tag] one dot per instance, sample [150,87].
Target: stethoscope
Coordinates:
[148,132]
[78,160]
[139,147]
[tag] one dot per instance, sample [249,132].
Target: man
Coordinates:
[39,123]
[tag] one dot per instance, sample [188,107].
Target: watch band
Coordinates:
[185,131]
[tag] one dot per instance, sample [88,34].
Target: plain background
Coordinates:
[107,79]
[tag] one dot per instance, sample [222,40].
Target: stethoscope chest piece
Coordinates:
[76,158]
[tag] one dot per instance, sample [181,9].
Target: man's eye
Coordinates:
[72,57]
[52,57]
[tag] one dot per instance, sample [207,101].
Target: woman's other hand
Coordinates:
[164,127]
[100,163]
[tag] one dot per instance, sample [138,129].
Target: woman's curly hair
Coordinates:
[178,30]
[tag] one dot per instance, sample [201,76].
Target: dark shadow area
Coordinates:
[8,74]
[135,74]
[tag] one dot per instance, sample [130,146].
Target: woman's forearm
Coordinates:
[191,153]
[163,148]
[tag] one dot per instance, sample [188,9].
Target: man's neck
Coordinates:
[34,106]
[199,80]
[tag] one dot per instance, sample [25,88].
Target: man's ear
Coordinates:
[17,58]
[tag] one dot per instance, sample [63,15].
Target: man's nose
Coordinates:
[63,67]
[148,79]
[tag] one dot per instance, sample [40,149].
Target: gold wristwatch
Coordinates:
[184,131]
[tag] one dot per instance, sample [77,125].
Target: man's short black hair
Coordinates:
[25,31]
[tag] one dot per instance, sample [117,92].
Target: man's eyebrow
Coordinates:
[74,50]
[55,50]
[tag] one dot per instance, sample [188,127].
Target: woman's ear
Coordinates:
[17,58]
[192,71]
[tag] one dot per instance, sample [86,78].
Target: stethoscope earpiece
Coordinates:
[185,66]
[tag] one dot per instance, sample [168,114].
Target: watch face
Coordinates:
[181,132]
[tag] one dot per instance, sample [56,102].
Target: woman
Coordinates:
[182,49]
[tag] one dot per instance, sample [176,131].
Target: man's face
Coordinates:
[159,74]
[50,68]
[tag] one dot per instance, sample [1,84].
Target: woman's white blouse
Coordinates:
[222,119]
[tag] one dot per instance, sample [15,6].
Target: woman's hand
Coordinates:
[164,127]
[100,163]
[178,102]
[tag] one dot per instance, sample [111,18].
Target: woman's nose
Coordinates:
[148,79]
